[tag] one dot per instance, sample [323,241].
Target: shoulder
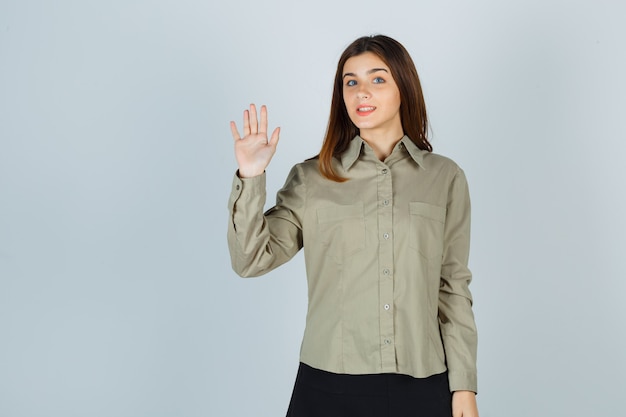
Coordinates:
[440,163]
[308,165]
[301,174]
[307,169]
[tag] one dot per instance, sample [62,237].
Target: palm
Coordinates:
[253,151]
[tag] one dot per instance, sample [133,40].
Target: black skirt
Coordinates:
[319,393]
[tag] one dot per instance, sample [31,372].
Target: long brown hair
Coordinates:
[341,130]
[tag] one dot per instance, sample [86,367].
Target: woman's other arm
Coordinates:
[456,319]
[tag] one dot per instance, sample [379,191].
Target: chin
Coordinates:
[361,124]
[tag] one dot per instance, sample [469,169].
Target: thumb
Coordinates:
[275,137]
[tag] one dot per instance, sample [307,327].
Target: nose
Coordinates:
[362,93]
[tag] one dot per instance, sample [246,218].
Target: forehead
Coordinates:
[363,63]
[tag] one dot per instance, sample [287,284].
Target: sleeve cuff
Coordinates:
[245,188]
[462,381]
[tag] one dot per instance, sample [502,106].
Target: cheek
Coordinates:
[346,103]
[346,97]
[346,107]
[396,100]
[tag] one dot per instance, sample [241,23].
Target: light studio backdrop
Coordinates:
[116,292]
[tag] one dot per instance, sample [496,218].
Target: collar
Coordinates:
[416,153]
[349,157]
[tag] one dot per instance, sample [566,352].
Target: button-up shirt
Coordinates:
[386,256]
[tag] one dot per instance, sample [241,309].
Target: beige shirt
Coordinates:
[386,259]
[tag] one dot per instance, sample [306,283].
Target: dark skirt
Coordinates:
[319,393]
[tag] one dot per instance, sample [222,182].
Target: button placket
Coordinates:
[385,262]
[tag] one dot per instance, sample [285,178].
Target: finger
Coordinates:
[254,123]
[246,123]
[263,127]
[234,131]
[275,137]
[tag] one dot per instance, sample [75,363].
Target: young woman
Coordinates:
[385,225]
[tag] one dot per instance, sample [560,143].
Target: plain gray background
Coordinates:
[116,292]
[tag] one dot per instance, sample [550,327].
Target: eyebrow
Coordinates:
[373,70]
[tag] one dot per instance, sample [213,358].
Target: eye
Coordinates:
[378,80]
[350,83]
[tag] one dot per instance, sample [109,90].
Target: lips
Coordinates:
[365,110]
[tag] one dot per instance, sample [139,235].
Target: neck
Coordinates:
[382,143]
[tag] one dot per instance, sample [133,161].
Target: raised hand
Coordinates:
[253,151]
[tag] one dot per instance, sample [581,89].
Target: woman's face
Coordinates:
[371,96]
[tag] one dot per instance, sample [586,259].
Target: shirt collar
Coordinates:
[416,153]
[349,157]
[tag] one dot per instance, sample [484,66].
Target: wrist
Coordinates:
[464,393]
[248,174]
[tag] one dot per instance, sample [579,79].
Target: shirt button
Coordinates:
[387,341]
[237,187]
[386,203]
[384,171]
[386,236]
[386,306]
[386,271]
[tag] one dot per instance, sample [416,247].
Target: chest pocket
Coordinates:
[341,230]
[426,229]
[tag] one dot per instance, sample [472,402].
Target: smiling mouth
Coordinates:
[366,109]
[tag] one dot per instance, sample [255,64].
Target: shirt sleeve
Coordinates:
[259,242]
[456,319]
